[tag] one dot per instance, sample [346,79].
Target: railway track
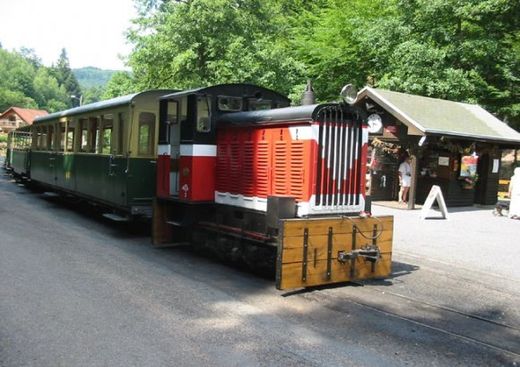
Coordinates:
[499,337]
[512,348]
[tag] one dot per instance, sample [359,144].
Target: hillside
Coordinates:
[90,76]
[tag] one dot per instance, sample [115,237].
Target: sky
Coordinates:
[92,31]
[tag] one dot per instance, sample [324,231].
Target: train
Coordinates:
[231,169]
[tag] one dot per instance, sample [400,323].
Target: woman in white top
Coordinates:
[514,195]
[405,178]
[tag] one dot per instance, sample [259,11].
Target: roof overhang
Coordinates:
[415,128]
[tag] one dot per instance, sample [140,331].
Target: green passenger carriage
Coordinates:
[18,151]
[104,152]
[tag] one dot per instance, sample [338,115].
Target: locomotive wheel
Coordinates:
[244,254]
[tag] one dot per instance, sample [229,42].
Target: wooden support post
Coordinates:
[413,183]
[161,232]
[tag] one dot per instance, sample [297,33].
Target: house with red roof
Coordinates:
[15,117]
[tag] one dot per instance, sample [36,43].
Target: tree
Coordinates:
[202,42]
[92,94]
[459,50]
[48,94]
[63,73]
[24,82]
[462,50]
[120,84]
[15,98]
[16,76]
[336,42]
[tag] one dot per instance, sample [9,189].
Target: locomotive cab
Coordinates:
[188,133]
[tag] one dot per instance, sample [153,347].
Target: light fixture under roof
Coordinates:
[375,123]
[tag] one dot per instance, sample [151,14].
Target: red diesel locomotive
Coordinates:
[242,175]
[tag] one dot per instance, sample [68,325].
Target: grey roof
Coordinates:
[109,103]
[432,116]
[268,116]
[219,87]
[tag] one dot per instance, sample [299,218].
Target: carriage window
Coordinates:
[34,138]
[146,133]
[120,133]
[259,104]
[107,140]
[229,103]
[70,140]
[203,108]
[62,136]
[83,125]
[50,137]
[42,138]
[106,147]
[35,132]
[94,134]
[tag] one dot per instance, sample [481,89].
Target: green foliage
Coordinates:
[202,42]
[459,50]
[93,94]
[89,77]
[49,95]
[120,84]
[16,80]
[26,83]
[463,50]
[333,42]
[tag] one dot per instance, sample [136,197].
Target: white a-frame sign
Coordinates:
[435,194]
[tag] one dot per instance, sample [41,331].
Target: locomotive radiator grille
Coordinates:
[340,166]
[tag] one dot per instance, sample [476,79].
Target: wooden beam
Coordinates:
[413,183]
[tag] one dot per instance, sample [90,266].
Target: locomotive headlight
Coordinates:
[349,93]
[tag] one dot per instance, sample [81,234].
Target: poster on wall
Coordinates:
[496,165]
[444,161]
[468,166]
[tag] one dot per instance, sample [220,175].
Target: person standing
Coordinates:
[514,195]
[405,178]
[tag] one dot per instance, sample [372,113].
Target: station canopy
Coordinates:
[432,116]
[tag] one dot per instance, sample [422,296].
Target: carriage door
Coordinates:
[174,111]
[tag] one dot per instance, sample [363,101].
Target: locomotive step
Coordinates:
[177,223]
[115,217]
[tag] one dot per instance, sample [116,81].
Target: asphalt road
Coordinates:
[76,290]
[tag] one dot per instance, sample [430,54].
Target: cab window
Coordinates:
[173,113]
[203,108]
[259,104]
[229,104]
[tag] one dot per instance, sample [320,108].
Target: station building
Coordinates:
[457,146]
